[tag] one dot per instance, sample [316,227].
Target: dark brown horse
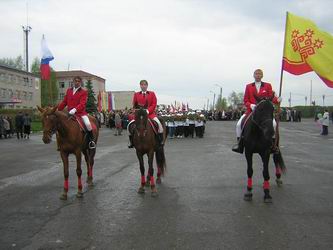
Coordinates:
[145,142]
[258,133]
[71,140]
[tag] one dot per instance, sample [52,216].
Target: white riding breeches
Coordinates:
[160,127]
[86,122]
[239,129]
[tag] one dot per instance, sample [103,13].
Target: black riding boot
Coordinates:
[130,145]
[91,142]
[239,147]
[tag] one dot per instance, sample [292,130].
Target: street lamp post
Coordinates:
[218,85]
[213,100]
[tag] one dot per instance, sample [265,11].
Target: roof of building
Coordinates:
[73,73]
[6,67]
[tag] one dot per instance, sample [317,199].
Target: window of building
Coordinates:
[25,81]
[30,82]
[24,95]
[18,94]
[30,96]
[3,93]
[61,85]
[61,96]
[10,93]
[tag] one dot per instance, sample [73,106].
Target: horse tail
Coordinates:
[278,160]
[160,159]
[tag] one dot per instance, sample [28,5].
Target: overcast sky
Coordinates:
[182,47]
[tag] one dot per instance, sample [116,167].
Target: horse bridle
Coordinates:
[54,128]
[139,130]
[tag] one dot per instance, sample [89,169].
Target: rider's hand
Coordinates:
[72,111]
[147,111]
[279,99]
[253,106]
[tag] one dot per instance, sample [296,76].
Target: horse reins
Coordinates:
[254,121]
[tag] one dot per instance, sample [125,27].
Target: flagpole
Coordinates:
[277,115]
[284,47]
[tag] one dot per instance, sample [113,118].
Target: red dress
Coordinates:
[77,101]
[146,100]
[251,90]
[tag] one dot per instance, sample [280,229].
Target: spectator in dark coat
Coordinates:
[19,125]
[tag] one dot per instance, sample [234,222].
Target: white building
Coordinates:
[19,89]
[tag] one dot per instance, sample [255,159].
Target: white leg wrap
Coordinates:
[238,126]
[160,128]
[87,122]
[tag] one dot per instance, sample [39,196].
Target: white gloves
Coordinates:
[72,111]
[147,111]
[279,99]
[253,106]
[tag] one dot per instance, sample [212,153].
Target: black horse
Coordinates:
[258,135]
[145,141]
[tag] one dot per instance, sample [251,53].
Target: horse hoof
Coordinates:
[79,195]
[279,182]
[268,199]
[63,197]
[248,196]
[154,194]
[158,180]
[141,190]
[147,184]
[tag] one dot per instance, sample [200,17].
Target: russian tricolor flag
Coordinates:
[47,56]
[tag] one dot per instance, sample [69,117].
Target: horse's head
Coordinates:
[141,119]
[49,121]
[263,116]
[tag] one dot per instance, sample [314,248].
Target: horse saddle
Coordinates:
[152,123]
[82,126]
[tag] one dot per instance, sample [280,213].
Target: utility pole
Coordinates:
[306,98]
[26,30]
[323,100]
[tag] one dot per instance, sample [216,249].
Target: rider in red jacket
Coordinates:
[145,98]
[260,89]
[76,100]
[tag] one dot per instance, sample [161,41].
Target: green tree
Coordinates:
[16,63]
[235,99]
[221,104]
[35,66]
[49,91]
[91,106]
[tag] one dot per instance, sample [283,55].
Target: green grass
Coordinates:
[36,126]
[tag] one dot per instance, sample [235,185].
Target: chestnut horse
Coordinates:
[145,142]
[71,140]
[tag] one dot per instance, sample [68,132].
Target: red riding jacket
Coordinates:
[148,99]
[251,90]
[77,100]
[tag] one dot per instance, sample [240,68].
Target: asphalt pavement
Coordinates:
[200,203]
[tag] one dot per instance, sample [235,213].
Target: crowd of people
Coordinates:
[180,124]
[21,126]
